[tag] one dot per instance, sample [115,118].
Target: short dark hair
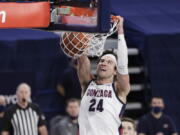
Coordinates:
[72,100]
[158,97]
[127,119]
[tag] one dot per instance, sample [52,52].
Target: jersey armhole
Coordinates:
[113,85]
[85,88]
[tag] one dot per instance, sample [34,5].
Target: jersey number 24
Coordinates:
[94,106]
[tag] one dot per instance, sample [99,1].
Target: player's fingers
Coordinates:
[114,18]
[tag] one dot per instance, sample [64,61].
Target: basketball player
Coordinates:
[104,98]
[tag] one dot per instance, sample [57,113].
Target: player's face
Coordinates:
[128,128]
[157,102]
[23,93]
[106,67]
[73,109]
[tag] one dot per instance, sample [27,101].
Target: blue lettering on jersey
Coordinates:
[99,93]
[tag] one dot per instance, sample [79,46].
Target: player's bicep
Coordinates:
[123,84]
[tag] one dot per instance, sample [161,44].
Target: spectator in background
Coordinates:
[68,85]
[156,122]
[128,126]
[24,118]
[67,125]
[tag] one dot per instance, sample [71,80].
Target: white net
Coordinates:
[75,44]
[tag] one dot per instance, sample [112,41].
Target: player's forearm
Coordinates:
[122,65]
[84,69]
[122,61]
[122,54]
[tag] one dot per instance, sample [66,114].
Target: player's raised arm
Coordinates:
[84,69]
[122,84]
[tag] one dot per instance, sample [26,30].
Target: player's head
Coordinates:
[157,104]
[129,126]
[72,108]
[23,92]
[106,67]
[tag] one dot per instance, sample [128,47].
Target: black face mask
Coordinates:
[156,109]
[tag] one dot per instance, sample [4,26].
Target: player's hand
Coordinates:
[114,18]
[120,25]
[120,21]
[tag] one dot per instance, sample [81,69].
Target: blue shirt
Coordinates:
[150,125]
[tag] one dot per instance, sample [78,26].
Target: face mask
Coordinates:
[156,109]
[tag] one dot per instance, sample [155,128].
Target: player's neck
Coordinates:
[104,80]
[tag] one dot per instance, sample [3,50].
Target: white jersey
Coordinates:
[100,110]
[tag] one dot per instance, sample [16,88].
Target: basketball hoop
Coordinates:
[75,44]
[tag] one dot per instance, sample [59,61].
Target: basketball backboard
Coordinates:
[65,15]
[24,14]
[82,16]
